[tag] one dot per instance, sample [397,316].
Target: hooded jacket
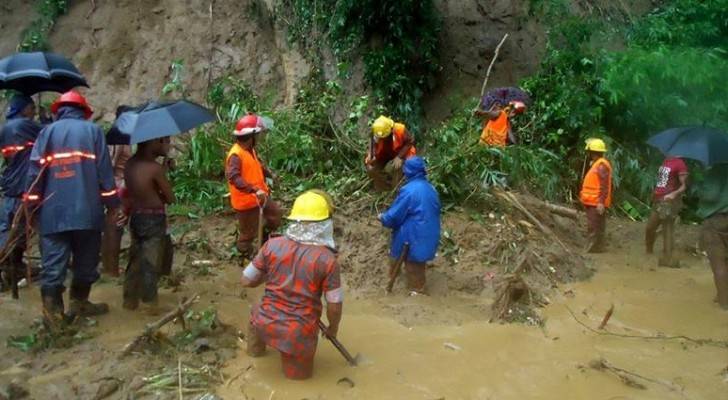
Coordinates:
[415,215]
[16,141]
[76,177]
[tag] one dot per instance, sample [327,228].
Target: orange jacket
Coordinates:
[495,131]
[252,173]
[591,187]
[400,138]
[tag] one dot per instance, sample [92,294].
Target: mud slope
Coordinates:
[125,47]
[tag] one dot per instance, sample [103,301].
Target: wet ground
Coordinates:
[436,347]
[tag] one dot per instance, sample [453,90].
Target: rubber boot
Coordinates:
[53,308]
[80,306]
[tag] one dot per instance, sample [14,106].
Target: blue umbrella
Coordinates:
[37,72]
[156,120]
[707,145]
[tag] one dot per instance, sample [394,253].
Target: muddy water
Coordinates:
[472,359]
[442,346]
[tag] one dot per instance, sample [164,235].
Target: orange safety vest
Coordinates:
[399,134]
[495,131]
[590,188]
[252,173]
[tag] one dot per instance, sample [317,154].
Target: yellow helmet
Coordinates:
[382,127]
[594,144]
[329,199]
[310,206]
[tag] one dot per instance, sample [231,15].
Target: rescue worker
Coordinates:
[249,191]
[297,269]
[713,208]
[391,144]
[113,232]
[16,141]
[75,182]
[414,218]
[666,205]
[596,194]
[497,129]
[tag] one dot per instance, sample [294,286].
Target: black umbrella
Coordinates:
[158,119]
[32,73]
[707,145]
[504,95]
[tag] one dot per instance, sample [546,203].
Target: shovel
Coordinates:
[351,360]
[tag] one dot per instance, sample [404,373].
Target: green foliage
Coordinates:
[175,84]
[684,23]
[35,37]
[304,147]
[398,41]
[671,71]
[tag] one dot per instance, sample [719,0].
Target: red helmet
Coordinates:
[74,98]
[249,125]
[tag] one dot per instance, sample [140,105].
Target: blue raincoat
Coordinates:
[77,177]
[415,215]
[16,142]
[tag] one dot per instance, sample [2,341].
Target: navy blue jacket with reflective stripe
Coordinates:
[75,177]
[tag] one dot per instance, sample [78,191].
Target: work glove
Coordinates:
[397,163]
[262,197]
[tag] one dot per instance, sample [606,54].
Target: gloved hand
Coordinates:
[397,163]
[262,197]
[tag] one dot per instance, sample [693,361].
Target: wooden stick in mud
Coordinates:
[629,378]
[397,268]
[351,360]
[179,378]
[708,342]
[152,328]
[606,317]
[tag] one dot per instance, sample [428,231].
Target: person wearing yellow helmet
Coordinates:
[596,194]
[297,269]
[391,144]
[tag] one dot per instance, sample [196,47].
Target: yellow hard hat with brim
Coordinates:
[594,144]
[310,207]
[382,127]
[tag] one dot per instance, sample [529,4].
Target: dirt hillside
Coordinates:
[125,48]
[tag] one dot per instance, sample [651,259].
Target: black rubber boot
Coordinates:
[80,306]
[53,308]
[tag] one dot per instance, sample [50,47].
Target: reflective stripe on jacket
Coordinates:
[75,178]
[252,173]
[400,137]
[495,132]
[591,187]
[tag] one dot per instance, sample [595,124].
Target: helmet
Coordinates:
[249,125]
[72,97]
[329,199]
[310,206]
[382,127]
[594,144]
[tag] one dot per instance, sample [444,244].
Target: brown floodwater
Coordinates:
[474,359]
[442,347]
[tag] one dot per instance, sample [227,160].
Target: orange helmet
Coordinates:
[249,125]
[74,98]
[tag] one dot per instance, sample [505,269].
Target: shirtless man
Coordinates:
[149,191]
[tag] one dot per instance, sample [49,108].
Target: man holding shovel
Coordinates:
[297,269]
[415,222]
[249,193]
